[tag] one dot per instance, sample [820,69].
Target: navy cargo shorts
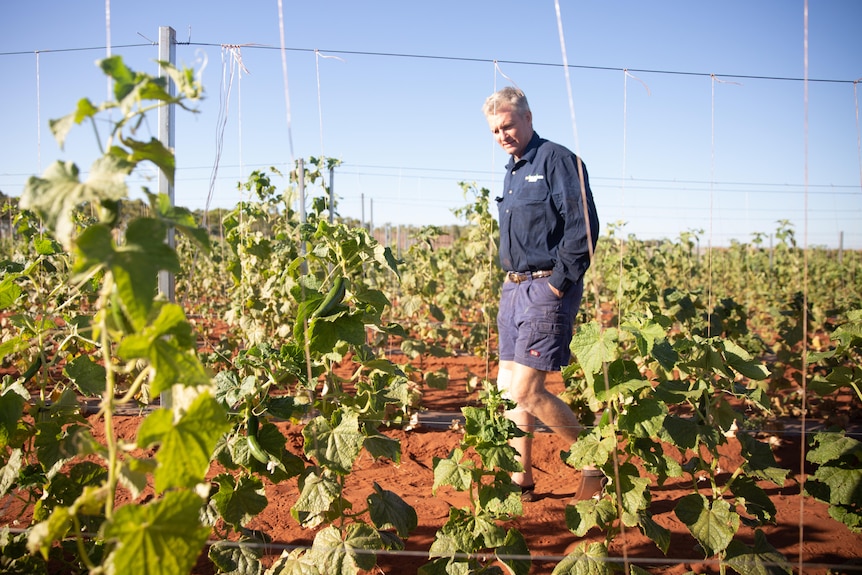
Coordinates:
[535,326]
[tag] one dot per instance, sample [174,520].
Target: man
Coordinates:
[548,229]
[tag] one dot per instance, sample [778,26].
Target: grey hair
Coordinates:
[508,97]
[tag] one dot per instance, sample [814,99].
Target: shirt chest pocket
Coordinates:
[532,192]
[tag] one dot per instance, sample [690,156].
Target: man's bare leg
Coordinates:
[526,386]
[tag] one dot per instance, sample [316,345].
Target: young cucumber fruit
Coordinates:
[334,297]
[254,447]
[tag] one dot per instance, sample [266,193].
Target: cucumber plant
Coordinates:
[685,409]
[130,345]
[303,298]
[471,540]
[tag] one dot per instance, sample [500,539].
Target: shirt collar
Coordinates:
[529,151]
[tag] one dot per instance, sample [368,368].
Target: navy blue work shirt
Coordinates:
[542,220]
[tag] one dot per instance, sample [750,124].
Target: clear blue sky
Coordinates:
[400,87]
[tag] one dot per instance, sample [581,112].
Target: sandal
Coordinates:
[528,493]
[593,482]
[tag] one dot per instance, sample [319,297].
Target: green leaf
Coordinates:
[59,192]
[88,376]
[437,379]
[450,471]
[60,127]
[9,294]
[665,354]
[833,447]
[676,391]
[496,456]
[590,450]
[586,559]
[501,498]
[334,448]
[9,473]
[741,361]
[457,535]
[11,410]
[585,515]
[654,458]
[237,558]
[593,346]
[634,489]
[178,217]
[317,495]
[135,474]
[712,525]
[345,556]
[136,266]
[187,444]
[645,418]
[379,445]
[659,534]
[294,562]
[326,332]
[762,559]
[684,433]
[845,485]
[165,344]
[757,501]
[54,528]
[387,510]
[760,461]
[239,500]
[154,151]
[515,553]
[163,537]
[624,381]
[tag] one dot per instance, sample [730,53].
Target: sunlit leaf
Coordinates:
[713,525]
[163,537]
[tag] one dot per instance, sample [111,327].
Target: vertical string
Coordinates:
[710,295]
[804,370]
[237,55]
[622,243]
[108,42]
[574,129]
[284,76]
[858,134]
[585,210]
[623,197]
[38,116]
[227,73]
[317,57]
[319,100]
[711,201]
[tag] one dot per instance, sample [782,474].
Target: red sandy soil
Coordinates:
[827,545]
[825,542]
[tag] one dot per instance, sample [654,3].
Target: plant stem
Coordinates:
[108,400]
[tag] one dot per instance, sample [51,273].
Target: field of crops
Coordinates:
[312,400]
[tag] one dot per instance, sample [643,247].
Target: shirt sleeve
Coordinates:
[573,251]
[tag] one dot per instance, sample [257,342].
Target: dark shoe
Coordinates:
[593,482]
[528,493]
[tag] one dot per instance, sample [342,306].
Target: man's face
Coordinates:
[511,130]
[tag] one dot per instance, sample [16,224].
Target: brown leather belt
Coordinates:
[518,277]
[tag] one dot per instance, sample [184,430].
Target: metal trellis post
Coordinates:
[167,53]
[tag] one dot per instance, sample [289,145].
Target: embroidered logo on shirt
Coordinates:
[534,353]
[534,178]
